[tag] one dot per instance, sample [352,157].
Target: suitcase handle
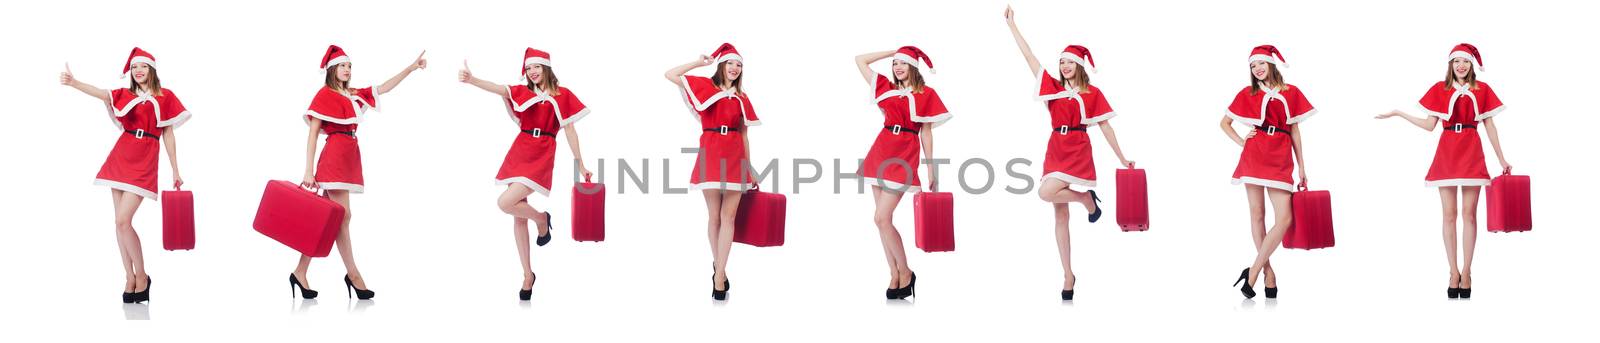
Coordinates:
[586,177]
[1507,171]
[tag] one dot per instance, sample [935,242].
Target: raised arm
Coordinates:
[1494,141]
[467,78]
[1427,123]
[1111,138]
[420,63]
[309,180]
[864,64]
[676,73]
[68,80]
[1022,44]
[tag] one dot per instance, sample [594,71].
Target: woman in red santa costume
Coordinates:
[1272,110]
[1074,106]
[148,117]
[1463,104]
[540,107]
[723,111]
[336,111]
[911,109]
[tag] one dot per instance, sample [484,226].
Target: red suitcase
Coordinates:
[1133,202]
[299,218]
[935,217]
[177,220]
[1312,226]
[761,218]
[588,211]
[1510,207]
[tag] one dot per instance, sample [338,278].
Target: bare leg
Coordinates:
[1064,245]
[1469,232]
[899,269]
[1258,226]
[888,253]
[728,212]
[122,249]
[1057,191]
[1447,202]
[129,239]
[713,222]
[346,252]
[519,228]
[1282,219]
[514,201]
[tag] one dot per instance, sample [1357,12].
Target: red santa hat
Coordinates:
[533,57]
[333,57]
[138,56]
[1268,53]
[914,56]
[725,53]
[1080,55]
[1468,52]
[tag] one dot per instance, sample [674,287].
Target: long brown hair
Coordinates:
[1450,79]
[155,83]
[332,79]
[1273,78]
[547,80]
[1081,77]
[913,79]
[720,77]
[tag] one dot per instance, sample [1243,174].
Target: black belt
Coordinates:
[1270,129]
[142,134]
[538,133]
[896,129]
[1064,129]
[1459,127]
[352,134]
[721,129]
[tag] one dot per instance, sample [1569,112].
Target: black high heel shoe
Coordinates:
[1466,292]
[911,288]
[1454,292]
[141,296]
[294,284]
[1094,217]
[527,294]
[1066,294]
[1272,292]
[549,227]
[722,294]
[1244,276]
[360,294]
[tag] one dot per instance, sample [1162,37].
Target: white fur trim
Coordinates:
[127,188]
[535,60]
[525,182]
[1265,183]
[574,119]
[353,188]
[1456,182]
[1425,109]
[1246,121]
[1468,56]
[727,186]
[1490,114]
[175,122]
[749,123]
[729,57]
[335,61]
[891,186]
[1097,120]
[695,106]
[914,62]
[1079,60]
[1269,59]
[352,120]
[1300,118]
[1068,179]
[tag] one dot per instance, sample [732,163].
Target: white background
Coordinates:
[439,253]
